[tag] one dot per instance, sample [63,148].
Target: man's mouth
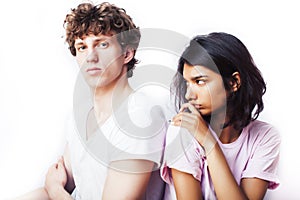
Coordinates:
[94,71]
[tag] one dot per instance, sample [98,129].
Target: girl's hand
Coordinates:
[56,179]
[195,124]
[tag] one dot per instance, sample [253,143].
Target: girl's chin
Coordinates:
[204,112]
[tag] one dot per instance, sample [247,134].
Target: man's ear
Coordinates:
[236,81]
[128,55]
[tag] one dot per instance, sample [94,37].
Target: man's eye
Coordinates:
[102,45]
[81,48]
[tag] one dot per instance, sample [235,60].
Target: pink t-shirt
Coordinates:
[254,154]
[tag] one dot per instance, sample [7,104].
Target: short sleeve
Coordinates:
[139,130]
[263,163]
[182,153]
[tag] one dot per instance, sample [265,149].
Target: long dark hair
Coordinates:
[225,54]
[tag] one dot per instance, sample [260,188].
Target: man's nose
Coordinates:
[92,56]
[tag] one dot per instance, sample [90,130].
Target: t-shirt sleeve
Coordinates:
[139,132]
[263,163]
[182,153]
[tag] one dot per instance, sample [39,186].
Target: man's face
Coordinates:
[100,59]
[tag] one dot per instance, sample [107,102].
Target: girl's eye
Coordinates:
[200,82]
[102,45]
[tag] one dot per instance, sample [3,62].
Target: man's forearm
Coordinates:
[38,194]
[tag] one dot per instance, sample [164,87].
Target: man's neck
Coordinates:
[109,98]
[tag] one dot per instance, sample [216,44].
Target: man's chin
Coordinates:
[94,83]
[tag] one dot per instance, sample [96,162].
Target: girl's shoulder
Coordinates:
[262,131]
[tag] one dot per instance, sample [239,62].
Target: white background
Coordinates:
[37,75]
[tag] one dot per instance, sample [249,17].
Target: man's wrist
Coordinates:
[58,193]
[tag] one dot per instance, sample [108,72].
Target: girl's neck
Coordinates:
[229,135]
[226,135]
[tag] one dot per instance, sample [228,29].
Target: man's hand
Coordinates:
[56,179]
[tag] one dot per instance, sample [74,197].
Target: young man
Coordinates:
[114,146]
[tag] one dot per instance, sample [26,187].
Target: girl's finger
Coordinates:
[190,107]
[187,117]
[183,107]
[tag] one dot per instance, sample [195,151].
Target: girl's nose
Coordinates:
[190,93]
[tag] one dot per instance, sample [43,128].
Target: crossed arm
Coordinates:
[59,182]
[187,187]
[225,185]
[119,184]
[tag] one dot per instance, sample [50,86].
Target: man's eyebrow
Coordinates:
[100,39]
[95,41]
[79,43]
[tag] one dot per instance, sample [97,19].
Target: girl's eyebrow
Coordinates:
[198,76]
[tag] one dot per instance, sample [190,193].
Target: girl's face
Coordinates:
[205,89]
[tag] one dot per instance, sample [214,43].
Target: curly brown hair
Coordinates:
[105,19]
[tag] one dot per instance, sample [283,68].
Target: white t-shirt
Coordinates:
[135,131]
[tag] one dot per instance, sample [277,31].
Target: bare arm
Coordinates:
[127,185]
[38,194]
[59,180]
[251,188]
[254,188]
[56,180]
[224,183]
[223,180]
[42,194]
[186,186]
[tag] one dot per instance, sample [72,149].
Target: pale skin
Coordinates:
[203,85]
[58,174]
[104,67]
[102,56]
